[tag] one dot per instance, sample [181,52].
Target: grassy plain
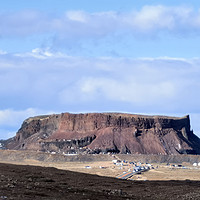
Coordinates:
[107,168]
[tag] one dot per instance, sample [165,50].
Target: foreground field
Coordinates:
[37,175]
[31,182]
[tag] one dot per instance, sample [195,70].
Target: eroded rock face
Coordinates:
[107,132]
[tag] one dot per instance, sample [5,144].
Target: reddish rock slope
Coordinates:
[107,132]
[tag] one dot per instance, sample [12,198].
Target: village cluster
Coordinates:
[132,168]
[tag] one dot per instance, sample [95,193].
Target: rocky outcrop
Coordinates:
[107,132]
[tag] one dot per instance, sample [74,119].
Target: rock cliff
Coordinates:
[107,132]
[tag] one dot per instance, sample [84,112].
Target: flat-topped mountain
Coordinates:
[106,132]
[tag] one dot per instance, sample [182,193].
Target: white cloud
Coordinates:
[155,18]
[41,53]
[64,83]
[79,16]
[11,120]
[109,33]
[10,117]
[61,78]
[152,18]
[84,24]
[131,91]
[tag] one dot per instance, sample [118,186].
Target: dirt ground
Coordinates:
[31,182]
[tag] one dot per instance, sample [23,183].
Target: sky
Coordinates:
[80,56]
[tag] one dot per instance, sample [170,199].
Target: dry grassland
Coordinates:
[107,168]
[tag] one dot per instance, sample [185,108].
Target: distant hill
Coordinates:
[106,132]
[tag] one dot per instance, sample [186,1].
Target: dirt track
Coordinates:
[30,182]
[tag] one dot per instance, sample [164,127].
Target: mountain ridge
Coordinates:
[107,132]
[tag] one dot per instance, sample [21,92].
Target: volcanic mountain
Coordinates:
[107,132]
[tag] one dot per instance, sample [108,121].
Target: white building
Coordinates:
[195,164]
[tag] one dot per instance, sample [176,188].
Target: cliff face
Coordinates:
[107,132]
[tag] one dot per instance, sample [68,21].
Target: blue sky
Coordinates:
[98,56]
